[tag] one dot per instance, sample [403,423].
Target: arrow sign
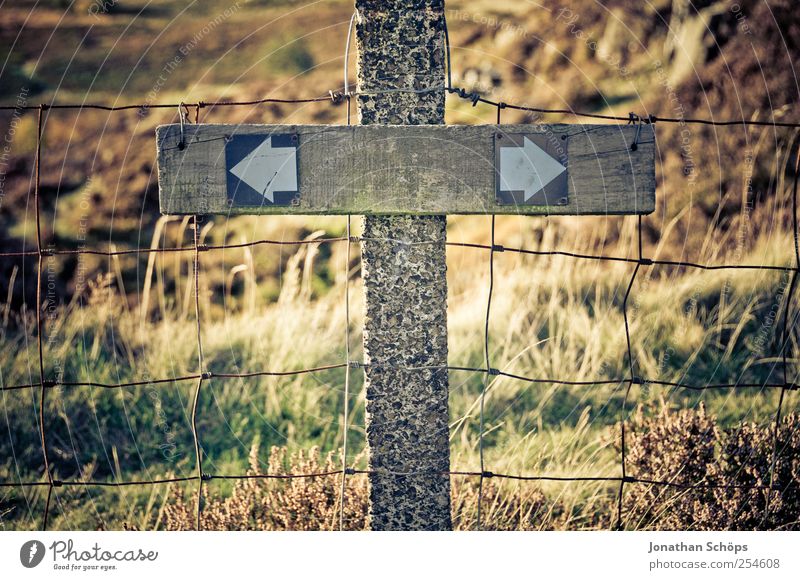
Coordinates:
[542,169]
[261,169]
[529,170]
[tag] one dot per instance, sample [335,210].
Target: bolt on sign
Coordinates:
[393,169]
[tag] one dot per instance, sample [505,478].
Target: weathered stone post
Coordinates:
[401,49]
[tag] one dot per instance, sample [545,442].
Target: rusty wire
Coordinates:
[49,384]
[39,345]
[488,374]
[44,384]
[201,365]
[473,96]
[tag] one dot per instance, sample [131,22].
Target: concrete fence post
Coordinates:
[401,48]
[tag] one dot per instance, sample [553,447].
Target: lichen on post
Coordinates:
[400,55]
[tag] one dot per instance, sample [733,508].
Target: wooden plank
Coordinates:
[430,169]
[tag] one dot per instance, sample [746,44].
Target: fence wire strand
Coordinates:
[487,375]
[201,369]
[39,306]
[346,403]
[203,374]
[631,379]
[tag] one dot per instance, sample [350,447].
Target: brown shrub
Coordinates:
[313,503]
[306,503]
[714,471]
[711,470]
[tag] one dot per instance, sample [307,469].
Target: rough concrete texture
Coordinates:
[401,46]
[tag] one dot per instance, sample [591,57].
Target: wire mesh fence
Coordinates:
[203,375]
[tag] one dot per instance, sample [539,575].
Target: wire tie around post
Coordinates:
[183,116]
[634,118]
[336,97]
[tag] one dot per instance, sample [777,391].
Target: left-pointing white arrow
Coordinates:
[268,169]
[529,168]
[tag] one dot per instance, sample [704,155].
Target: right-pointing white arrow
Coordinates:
[529,168]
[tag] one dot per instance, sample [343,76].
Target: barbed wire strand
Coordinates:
[472,96]
[475,97]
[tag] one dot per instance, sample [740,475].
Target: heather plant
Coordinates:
[297,503]
[720,477]
[712,471]
[312,503]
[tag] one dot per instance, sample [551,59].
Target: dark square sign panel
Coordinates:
[261,170]
[531,169]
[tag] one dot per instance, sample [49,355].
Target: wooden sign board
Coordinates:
[392,169]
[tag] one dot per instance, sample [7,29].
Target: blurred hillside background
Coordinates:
[724,196]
